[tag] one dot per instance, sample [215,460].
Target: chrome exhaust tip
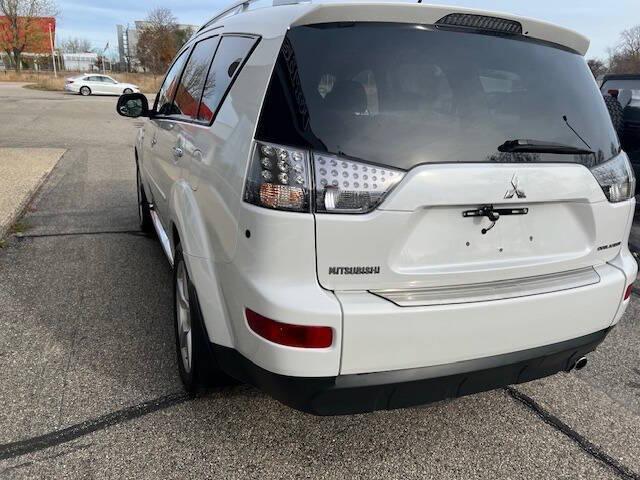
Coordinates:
[581,363]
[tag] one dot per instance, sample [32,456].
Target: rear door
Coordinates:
[94,83]
[448,111]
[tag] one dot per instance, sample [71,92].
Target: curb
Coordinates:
[21,208]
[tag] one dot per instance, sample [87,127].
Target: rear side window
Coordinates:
[226,65]
[164,100]
[193,79]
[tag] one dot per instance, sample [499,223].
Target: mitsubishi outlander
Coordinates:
[377,205]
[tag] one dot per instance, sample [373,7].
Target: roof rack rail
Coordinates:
[242,6]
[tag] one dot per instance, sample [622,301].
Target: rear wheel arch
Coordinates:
[187,230]
[175,237]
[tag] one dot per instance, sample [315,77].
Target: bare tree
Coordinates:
[183,35]
[20,28]
[625,57]
[157,41]
[75,45]
[630,42]
[597,67]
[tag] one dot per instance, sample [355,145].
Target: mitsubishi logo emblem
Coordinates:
[515,189]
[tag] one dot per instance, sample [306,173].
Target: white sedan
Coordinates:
[98,84]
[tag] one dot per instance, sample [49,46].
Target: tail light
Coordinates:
[280,177]
[616,178]
[628,291]
[346,186]
[301,336]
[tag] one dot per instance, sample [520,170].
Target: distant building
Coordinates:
[128,43]
[80,62]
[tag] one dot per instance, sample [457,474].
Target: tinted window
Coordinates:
[403,95]
[225,67]
[193,79]
[621,85]
[164,99]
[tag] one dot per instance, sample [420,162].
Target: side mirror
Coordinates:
[133,105]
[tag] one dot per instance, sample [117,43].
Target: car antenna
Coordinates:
[566,120]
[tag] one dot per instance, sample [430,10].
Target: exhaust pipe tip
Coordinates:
[581,363]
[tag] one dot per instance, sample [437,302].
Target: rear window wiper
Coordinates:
[537,146]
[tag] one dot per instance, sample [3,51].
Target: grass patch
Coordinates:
[18,228]
[46,81]
[42,86]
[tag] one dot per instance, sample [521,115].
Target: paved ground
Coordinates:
[88,384]
[22,171]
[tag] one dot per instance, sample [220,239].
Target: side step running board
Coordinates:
[162,235]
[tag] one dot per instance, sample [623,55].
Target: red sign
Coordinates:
[33,33]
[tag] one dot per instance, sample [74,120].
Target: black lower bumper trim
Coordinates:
[349,394]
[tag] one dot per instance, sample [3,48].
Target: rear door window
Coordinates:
[226,65]
[189,91]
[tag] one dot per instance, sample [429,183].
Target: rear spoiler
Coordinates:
[432,14]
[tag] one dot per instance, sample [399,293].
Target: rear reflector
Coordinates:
[627,292]
[301,336]
[482,22]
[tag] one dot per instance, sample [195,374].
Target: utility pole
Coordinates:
[104,52]
[53,53]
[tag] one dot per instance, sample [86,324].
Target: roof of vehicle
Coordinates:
[273,21]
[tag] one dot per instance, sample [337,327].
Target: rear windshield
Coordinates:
[404,95]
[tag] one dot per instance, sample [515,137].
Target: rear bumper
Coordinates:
[359,393]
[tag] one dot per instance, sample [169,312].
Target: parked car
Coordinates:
[622,92]
[98,84]
[372,206]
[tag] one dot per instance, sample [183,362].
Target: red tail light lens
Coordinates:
[301,336]
[627,292]
[278,178]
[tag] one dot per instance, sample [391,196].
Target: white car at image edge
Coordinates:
[378,205]
[93,84]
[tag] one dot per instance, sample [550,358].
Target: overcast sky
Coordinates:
[600,20]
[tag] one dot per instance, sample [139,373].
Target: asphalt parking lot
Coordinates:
[89,386]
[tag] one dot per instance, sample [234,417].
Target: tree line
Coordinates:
[159,39]
[623,57]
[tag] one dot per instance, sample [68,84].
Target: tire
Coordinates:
[144,212]
[85,91]
[196,364]
[616,112]
[127,91]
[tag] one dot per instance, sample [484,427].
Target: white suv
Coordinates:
[371,206]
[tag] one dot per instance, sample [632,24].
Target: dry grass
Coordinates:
[46,81]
